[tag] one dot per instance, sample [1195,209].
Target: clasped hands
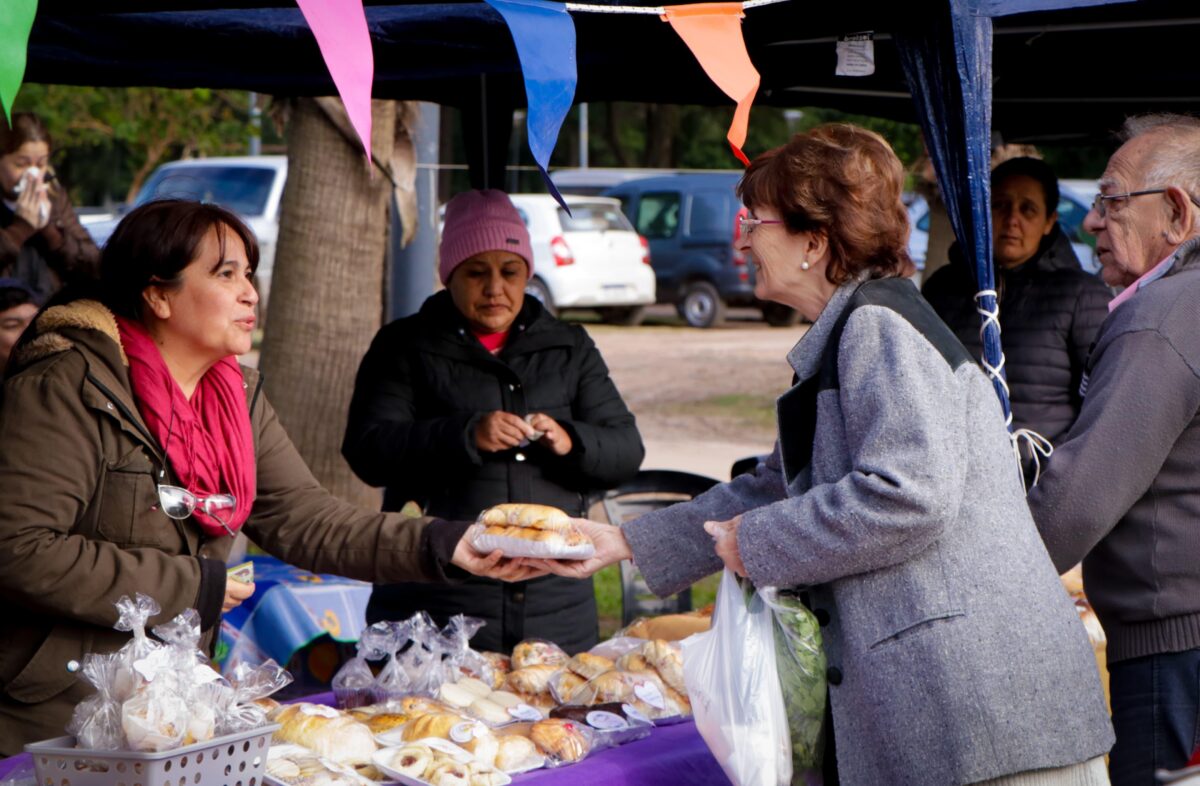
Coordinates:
[611,547]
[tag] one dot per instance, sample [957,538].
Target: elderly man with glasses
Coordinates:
[1122,492]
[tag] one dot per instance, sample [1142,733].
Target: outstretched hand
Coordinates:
[611,547]
[494,565]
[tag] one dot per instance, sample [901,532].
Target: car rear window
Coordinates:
[658,215]
[593,217]
[244,190]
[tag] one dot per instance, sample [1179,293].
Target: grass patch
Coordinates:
[608,597]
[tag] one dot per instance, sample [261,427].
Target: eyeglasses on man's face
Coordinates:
[1100,203]
[748,223]
[179,503]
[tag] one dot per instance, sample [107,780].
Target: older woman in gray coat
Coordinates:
[954,654]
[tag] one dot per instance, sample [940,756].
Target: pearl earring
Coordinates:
[804,265]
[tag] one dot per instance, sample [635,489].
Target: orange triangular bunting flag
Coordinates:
[713,31]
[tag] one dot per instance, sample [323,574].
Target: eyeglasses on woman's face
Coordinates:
[179,503]
[748,223]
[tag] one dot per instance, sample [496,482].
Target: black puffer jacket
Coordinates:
[1050,311]
[422,388]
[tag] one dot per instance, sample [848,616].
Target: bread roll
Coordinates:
[326,732]
[526,515]
[535,652]
[588,666]
[562,739]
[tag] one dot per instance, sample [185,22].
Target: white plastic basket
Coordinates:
[233,760]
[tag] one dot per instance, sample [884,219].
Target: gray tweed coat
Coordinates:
[954,654]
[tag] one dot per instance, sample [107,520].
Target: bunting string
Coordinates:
[642,9]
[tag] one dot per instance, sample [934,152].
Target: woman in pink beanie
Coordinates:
[482,398]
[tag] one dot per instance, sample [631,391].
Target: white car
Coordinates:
[589,259]
[250,186]
[1074,201]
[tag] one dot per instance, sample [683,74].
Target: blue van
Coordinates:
[690,222]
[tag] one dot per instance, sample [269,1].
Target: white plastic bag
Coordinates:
[731,678]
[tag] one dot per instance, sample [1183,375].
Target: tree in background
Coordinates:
[107,140]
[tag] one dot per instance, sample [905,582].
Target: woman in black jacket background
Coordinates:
[483,398]
[1050,308]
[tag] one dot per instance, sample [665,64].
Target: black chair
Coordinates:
[651,489]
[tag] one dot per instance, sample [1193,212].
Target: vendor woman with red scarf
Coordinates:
[133,448]
[483,397]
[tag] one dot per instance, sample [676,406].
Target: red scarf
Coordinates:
[210,445]
[492,342]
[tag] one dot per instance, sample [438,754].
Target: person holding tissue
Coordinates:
[42,242]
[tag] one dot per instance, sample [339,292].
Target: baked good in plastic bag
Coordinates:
[563,741]
[612,724]
[326,732]
[538,652]
[530,680]
[297,766]
[526,530]
[438,763]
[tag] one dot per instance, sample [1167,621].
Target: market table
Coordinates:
[290,608]
[671,754]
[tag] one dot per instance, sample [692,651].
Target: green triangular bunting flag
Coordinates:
[16,20]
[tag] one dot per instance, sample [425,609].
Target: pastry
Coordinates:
[488,778]
[422,704]
[382,721]
[431,725]
[531,680]
[562,739]
[679,700]
[478,687]
[448,773]
[565,684]
[489,712]
[526,515]
[534,652]
[610,686]
[517,753]
[633,661]
[456,695]
[483,746]
[588,666]
[667,661]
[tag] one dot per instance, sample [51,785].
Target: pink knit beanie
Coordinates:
[478,221]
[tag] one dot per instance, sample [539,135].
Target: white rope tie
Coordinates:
[657,10]
[1039,447]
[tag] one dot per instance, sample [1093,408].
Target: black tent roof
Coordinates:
[1057,74]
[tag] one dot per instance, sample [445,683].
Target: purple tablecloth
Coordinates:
[671,754]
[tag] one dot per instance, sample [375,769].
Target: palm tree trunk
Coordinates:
[327,289]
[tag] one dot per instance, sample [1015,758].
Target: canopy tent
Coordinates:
[1031,69]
